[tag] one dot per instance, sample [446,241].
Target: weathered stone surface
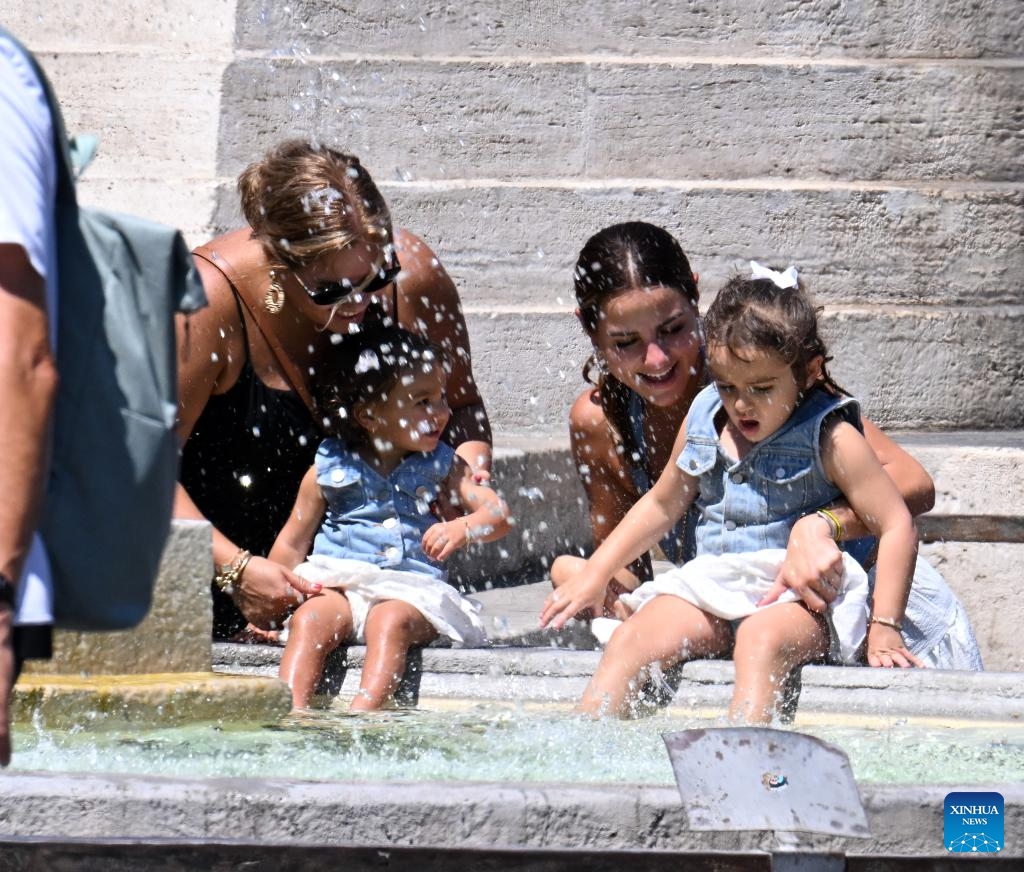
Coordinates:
[174,636]
[537,479]
[463,120]
[153,701]
[806,122]
[904,820]
[510,246]
[190,26]
[516,245]
[476,119]
[975,472]
[907,366]
[914,28]
[156,115]
[986,578]
[187,204]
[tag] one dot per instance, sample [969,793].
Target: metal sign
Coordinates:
[754,778]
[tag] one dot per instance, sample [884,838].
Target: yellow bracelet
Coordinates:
[887,622]
[230,573]
[834,523]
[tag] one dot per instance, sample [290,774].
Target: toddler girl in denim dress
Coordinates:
[771,440]
[384,504]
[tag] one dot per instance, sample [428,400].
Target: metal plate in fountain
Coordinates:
[754,778]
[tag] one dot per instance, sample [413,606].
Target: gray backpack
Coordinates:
[114,466]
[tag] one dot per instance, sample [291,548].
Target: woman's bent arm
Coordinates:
[429,304]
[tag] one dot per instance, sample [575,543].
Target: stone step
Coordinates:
[616,28]
[558,675]
[500,118]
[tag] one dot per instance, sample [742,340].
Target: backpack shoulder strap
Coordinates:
[246,293]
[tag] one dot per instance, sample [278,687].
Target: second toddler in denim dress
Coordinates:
[771,440]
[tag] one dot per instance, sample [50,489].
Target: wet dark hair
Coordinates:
[619,258]
[363,368]
[756,313]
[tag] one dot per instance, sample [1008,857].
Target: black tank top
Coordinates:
[242,466]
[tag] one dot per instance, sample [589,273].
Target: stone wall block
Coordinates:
[910,368]
[932,369]
[515,246]
[190,26]
[461,120]
[876,28]
[264,102]
[699,121]
[173,637]
[156,116]
[982,577]
[185,204]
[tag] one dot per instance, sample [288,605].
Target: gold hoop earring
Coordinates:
[273,300]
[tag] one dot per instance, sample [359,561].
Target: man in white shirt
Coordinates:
[28,374]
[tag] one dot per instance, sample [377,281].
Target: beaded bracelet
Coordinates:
[887,622]
[231,572]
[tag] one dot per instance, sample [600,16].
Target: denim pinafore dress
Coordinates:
[376,519]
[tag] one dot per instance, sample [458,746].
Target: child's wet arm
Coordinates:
[295,540]
[490,519]
[872,494]
[912,481]
[654,514]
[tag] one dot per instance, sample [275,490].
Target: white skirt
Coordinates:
[730,585]
[365,585]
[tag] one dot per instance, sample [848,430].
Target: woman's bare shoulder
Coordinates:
[590,433]
[424,282]
[587,416]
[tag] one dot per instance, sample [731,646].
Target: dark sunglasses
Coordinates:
[328,293]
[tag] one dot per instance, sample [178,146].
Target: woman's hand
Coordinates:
[813,568]
[267,592]
[442,540]
[887,649]
[582,593]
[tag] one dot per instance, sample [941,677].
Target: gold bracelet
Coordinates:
[833,522]
[230,573]
[887,622]
[470,538]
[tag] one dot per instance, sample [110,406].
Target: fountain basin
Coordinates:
[904,820]
[541,810]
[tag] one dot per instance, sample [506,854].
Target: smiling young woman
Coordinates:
[637,297]
[317,259]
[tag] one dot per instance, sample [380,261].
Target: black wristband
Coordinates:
[7,591]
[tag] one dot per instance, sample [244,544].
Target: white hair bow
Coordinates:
[787,279]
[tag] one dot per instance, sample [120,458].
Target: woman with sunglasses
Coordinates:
[317,259]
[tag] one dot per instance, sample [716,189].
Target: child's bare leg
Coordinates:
[391,627]
[316,628]
[668,629]
[566,566]
[769,645]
